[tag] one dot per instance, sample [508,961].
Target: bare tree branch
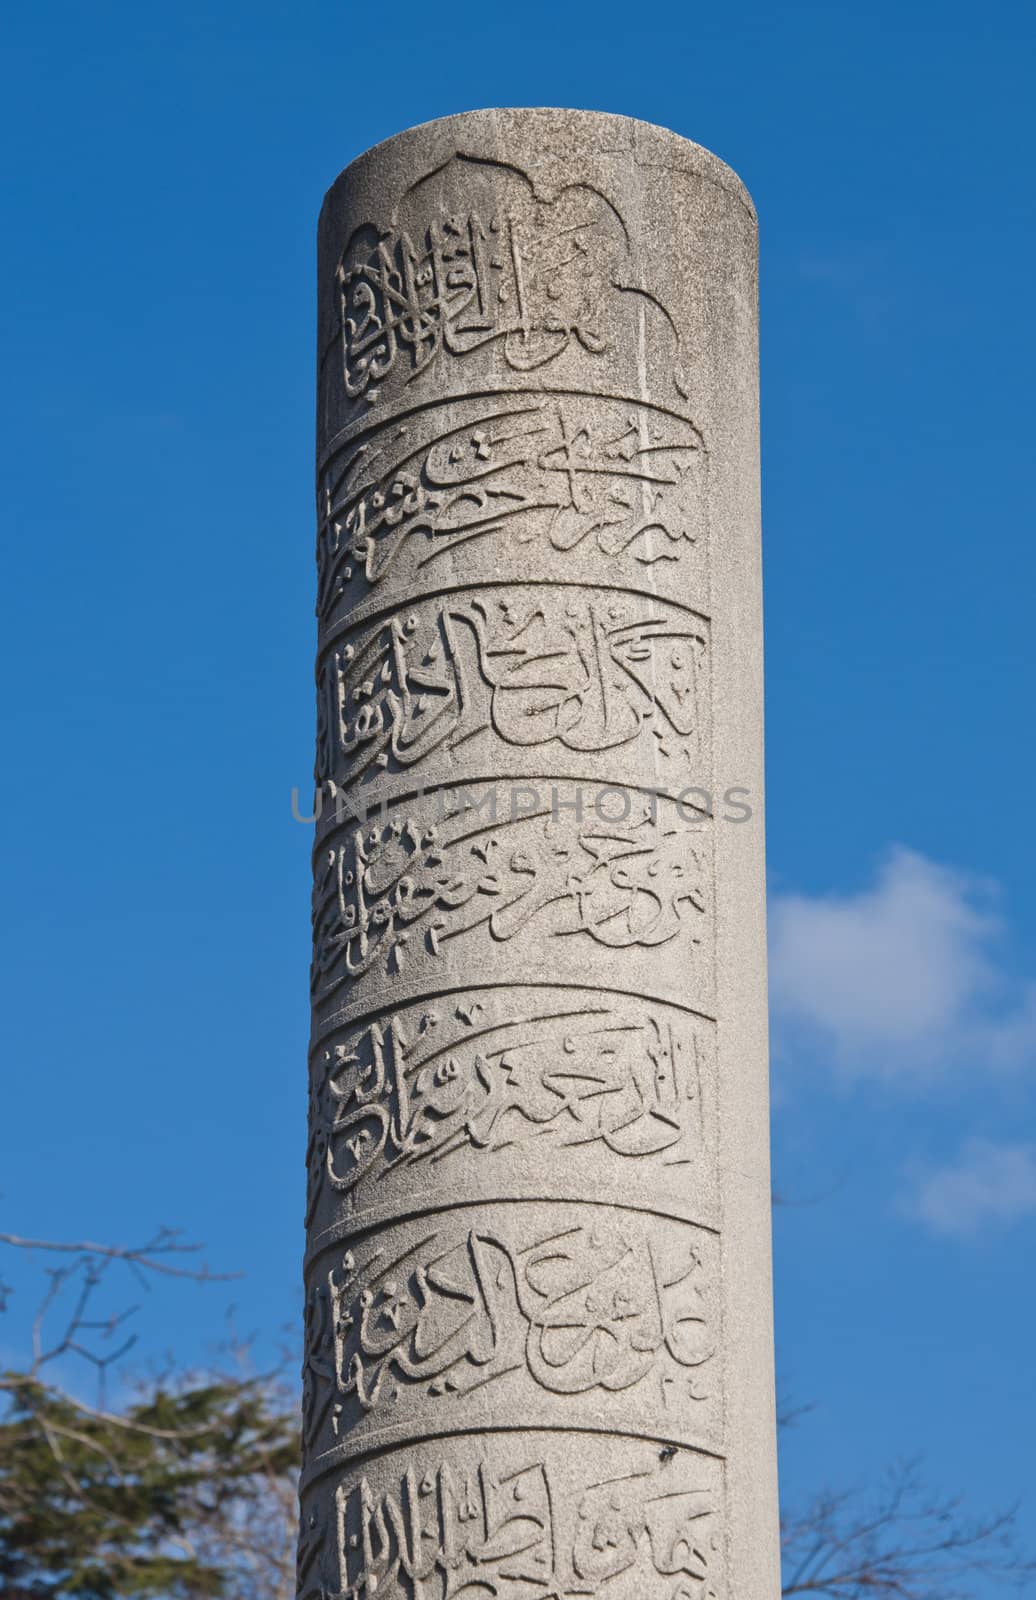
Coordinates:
[85,1333]
[165,1242]
[900,1544]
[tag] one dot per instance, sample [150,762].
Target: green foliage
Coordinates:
[160,1499]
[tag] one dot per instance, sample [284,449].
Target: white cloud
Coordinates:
[901,976]
[990,1183]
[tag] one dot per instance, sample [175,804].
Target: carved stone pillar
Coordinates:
[538,1351]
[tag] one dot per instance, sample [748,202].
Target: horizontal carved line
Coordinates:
[540,780]
[377,1219]
[351,1016]
[371,813]
[342,1232]
[347,1456]
[366,424]
[349,624]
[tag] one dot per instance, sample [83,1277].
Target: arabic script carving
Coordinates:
[473,258]
[575,474]
[387,887]
[446,1086]
[584,670]
[571,1299]
[519,1528]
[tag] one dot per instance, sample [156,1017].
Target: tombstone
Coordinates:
[538,1357]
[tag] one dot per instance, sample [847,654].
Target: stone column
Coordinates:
[538,1349]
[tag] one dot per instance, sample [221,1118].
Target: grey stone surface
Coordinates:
[538,1342]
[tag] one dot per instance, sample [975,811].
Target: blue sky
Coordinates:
[163,171]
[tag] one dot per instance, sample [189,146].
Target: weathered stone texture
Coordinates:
[538,1343]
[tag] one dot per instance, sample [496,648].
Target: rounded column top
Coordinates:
[553,139]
